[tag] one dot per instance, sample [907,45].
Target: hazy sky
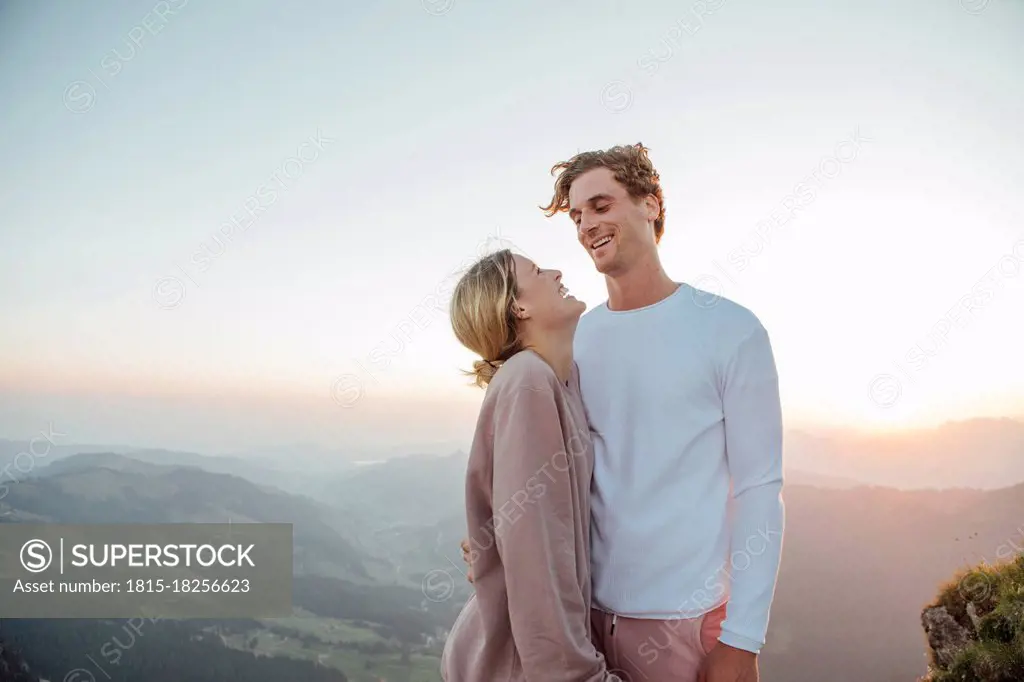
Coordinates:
[367,151]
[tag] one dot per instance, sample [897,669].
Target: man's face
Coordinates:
[614,228]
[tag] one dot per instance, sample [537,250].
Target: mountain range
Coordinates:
[379,578]
[975,453]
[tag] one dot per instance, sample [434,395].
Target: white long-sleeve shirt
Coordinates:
[682,398]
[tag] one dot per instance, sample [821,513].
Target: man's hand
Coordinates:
[729,664]
[465,557]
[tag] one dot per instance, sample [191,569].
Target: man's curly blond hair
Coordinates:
[631,167]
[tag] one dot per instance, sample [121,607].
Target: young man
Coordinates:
[682,400]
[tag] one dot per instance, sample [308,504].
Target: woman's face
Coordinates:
[542,297]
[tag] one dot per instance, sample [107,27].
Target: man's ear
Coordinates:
[653,207]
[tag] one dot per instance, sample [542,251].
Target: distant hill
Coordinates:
[112,488]
[858,567]
[21,458]
[291,470]
[799,477]
[349,621]
[406,510]
[977,453]
[401,490]
[101,460]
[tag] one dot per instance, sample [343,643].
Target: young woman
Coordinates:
[527,484]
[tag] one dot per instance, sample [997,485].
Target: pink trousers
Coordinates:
[644,650]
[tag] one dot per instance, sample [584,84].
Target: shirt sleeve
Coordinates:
[535,514]
[753,438]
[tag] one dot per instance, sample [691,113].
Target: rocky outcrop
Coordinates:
[975,628]
[946,637]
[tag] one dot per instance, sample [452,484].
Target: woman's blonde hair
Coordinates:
[483,313]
